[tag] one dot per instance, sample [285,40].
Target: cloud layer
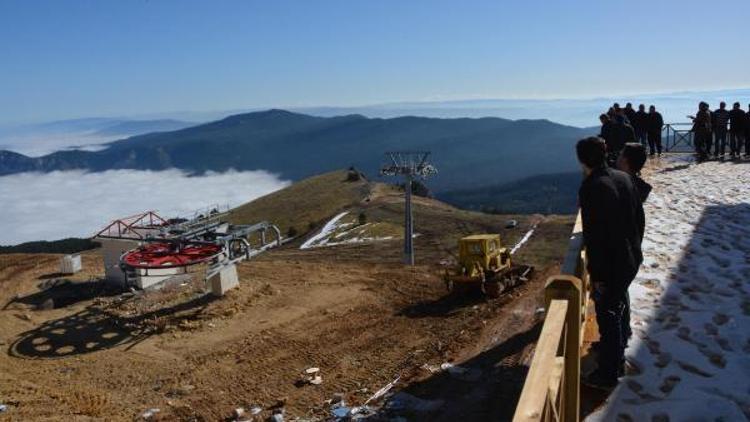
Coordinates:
[63,204]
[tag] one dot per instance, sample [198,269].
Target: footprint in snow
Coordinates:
[669,383]
[694,369]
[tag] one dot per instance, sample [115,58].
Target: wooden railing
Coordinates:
[552,388]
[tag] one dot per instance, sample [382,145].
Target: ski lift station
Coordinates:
[145,250]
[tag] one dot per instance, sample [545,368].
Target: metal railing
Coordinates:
[552,388]
[678,137]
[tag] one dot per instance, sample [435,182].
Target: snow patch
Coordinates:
[523,240]
[321,238]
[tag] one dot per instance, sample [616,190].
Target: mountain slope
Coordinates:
[548,194]
[468,152]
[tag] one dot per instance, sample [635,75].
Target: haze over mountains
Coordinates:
[87,133]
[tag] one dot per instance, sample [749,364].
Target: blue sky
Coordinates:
[63,59]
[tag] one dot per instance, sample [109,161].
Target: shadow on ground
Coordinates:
[94,329]
[692,350]
[485,387]
[60,292]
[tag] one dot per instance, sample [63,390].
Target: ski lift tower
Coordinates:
[410,165]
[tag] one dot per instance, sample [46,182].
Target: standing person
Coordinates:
[606,132]
[655,125]
[719,121]
[629,113]
[619,112]
[737,123]
[609,212]
[631,160]
[621,133]
[702,131]
[640,124]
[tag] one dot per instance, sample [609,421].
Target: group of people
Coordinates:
[712,127]
[611,200]
[622,125]
[625,125]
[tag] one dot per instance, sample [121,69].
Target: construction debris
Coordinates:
[311,376]
[150,413]
[278,416]
[380,393]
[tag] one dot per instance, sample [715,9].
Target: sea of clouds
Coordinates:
[50,206]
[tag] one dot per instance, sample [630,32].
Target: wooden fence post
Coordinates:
[568,288]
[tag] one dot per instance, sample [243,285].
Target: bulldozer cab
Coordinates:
[484,251]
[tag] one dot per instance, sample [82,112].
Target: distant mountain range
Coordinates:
[469,153]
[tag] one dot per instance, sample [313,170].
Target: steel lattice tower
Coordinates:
[410,165]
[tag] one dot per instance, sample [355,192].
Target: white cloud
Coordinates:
[37,145]
[56,205]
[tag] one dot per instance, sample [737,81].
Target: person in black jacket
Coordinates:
[610,214]
[631,161]
[720,119]
[620,133]
[655,125]
[629,113]
[640,124]
[702,131]
[737,119]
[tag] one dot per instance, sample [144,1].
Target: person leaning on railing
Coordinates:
[610,209]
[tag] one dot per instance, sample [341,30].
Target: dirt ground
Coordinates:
[76,351]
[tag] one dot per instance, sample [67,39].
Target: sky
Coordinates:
[67,59]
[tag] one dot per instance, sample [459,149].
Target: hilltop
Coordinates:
[344,304]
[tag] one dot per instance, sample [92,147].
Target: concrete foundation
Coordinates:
[112,249]
[224,280]
[70,264]
[145,278]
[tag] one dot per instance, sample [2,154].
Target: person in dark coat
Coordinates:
[737,124]
[620,133]
[720,119]
[610,208]
[655,125]
[640,125]
[629,113]
[606,131]
[631,160]
[702,131]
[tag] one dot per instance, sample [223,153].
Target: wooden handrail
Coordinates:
[552,387]
[534,401]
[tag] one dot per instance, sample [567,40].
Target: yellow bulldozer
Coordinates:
[484,264]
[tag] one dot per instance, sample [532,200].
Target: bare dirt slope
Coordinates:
[353,311]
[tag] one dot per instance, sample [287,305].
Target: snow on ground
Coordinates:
[523,240]
[321,238]
[340,232]
[691,299]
